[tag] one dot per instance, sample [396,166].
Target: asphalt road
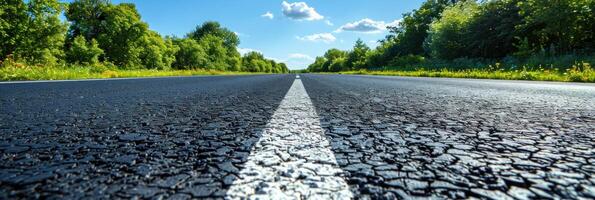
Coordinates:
[318,136]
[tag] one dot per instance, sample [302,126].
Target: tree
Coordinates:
[230,39]
[83,52]
[235,63]
[86,17]
[157,53]
[337,65]
[190,55]
[233,60]
[335,60]
[356,59]
[253,61]
[317,65]
[13,24]
[559,25]
[379,57]
[33,31]
[413,29]
[447,36]
[281,68]
[216,52]
[492,32]
[122,34]
[118,29]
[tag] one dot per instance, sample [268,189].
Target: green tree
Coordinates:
[216,52]
[125,39]
[284,68]
[254,61]
[337,65]
[281,68]
[86,18]
[413,29]
[335,60]
[157,53]
[122,35]
[83,52]
[13,25]
[356,58]
[230,39]
[492,32]
[447,36]
[190,55]
[32,31]
[233,60]
[559,25]
[317,65]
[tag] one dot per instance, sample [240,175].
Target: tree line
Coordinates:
[98,32]
[443,33]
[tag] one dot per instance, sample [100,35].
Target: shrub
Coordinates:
[408,60]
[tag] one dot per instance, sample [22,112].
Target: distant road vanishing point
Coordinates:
[307,136]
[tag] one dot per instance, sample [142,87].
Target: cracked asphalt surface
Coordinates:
[451,138]
[392,137]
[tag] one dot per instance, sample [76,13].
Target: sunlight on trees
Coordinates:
[99,32]
[465,34]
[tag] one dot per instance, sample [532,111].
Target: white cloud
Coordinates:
[244,51]
[300,11]
[328,22]
[396,23]
[298,61]
[268,15]
[367,26]
[276,59]
[322,37]
[241,34]
[299,56]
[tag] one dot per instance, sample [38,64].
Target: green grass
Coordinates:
[20,72]
[577,73]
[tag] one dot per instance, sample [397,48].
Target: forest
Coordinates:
[100,36]
[523,39]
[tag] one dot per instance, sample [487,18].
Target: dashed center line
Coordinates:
[292,159]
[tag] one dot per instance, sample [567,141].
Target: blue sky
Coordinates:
[294,32]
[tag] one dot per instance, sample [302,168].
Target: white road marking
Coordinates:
[292,159]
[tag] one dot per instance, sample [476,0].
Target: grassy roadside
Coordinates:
[23,73]
[582,73]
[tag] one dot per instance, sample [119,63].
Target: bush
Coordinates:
[408,60]
[83,52]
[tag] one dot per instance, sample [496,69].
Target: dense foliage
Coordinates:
[467,34]
[99,33]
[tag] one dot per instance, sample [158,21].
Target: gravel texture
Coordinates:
[232,137]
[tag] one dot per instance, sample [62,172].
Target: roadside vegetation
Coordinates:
[501,39]
[103,40]
[86,72]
